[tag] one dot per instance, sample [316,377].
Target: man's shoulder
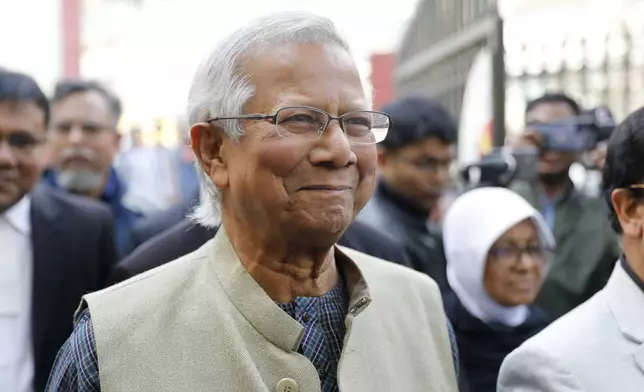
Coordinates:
[562,338]
[72,206]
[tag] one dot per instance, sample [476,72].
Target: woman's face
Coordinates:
[515,265]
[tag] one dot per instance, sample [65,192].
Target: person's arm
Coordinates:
[531,369]
[76,366]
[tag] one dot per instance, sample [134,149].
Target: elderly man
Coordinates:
[84,141]
[281,131]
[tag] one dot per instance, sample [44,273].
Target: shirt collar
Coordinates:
[114,188]
[568,192]
[19,215]
[629,271]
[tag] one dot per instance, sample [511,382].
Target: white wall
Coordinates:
[31,39]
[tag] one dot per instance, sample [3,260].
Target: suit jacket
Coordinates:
[187,236]
[598,347]
[408,224]
[73,252]
[203,323]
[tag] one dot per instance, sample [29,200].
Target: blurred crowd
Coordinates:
[513,265]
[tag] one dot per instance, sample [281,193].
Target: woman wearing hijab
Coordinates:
[497,248]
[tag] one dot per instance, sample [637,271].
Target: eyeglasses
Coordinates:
[360,126]
[512,254]
[22,142]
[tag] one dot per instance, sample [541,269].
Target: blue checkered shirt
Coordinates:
[76,368]
[323,322]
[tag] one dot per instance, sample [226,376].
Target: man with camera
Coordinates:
[586,247]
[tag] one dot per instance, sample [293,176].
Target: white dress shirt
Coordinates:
[16,269]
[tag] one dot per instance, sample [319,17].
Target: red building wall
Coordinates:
[382,68]
[71,14]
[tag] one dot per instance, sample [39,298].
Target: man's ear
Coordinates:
[629,211]
[207,142]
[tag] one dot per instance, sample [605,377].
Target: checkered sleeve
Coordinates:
[452,342]
[76,366]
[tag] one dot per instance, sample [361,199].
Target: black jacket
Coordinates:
[408,225]
[156,224]
[73,253]
[187,236]
[482,347]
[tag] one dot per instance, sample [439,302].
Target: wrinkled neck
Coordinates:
[284,269]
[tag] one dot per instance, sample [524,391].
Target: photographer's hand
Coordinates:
[598,156]
[529,139]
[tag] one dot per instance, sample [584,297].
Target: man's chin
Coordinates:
[79,181]
[323,231]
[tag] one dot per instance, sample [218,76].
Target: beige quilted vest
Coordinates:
[201,323]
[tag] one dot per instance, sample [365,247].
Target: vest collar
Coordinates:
[258,308]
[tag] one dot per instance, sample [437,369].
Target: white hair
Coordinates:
[220,87]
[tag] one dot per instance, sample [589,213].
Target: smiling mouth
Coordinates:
[325,188]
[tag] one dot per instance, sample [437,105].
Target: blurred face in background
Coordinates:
[83,142]
[419,172]
[553,165]
[515,266]
[22,130]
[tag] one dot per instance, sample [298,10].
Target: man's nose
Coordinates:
[76,134]
[333,148]
[7,155]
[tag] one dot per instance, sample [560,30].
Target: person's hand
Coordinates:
[437,213]
[598,156]
[529,139]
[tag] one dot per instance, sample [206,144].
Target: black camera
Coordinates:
[502,166]
[577,134]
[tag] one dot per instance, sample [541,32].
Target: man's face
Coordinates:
[83,140]
[313,187]
[22,128]
[420,171]
[552,162]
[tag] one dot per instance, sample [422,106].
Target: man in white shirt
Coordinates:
[53,247]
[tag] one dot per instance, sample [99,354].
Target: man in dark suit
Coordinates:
[54,247]
[188,236]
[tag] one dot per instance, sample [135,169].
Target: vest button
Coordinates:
[287,385]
